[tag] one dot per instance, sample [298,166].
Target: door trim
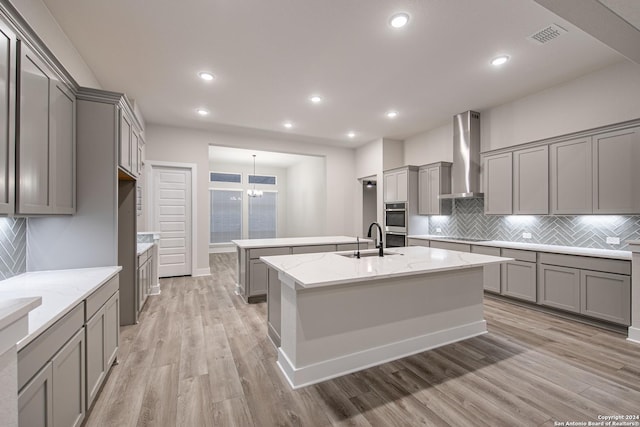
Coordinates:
[148,169]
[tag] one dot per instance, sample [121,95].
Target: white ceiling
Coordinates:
[241,156]
[270,56]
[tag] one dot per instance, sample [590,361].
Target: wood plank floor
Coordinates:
[201,357]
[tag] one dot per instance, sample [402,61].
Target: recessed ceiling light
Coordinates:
[202,111]
[399,20]
[315,99]
[392,114]
[288,125]
[205,75]
[351,134]
[499,60]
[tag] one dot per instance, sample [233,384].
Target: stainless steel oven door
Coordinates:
[395,217]
[395,240]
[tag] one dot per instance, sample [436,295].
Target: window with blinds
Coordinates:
[263,215]
[226,216]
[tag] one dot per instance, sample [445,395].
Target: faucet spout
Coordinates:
[378,246]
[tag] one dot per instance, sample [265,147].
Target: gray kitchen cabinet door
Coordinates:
[112,329]
[616,156]
[559,287]
[68,367]
[258,276]
[491,273]
[498,184]
[391,187]
[96,330]
[571,177]
[135,163]
[531,181]
[433,181]
[8,45]
[606,296]
[33,144]
[402,191]
[125,142]
[274,306]
[424,197]
[35,400]
[519,280]
[63,148]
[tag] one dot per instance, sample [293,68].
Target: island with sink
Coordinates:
[340,313]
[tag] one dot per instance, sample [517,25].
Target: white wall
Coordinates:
[166,143]
[46,27]
[369,163]
[246,170]
[392,154]
[307,198]
[603,97]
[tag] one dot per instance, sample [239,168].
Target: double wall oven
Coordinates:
[395,224]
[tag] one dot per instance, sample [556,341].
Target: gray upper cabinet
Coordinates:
[433,180]
[498,184]
[531,181]
[8,44]
[45,143]
[125,142]
[130,151]
[571,177]
[616,156]
[396,186]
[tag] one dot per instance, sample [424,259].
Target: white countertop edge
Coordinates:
[51,318]
[297,241]
[143,247]
[15,308]
[538,247]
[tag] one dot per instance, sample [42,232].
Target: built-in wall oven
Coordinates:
[395,224]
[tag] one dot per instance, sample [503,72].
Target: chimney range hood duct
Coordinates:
[465,172]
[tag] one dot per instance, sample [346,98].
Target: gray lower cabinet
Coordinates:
[559,287]
[498,184]
[55,396]
[519,280]
[491,273]
[274,307]
[35,400]
[258,277]
[606,296]
[570,176]
[418,242]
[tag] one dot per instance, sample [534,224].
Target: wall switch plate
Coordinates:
[438,230]
[613,240]
[526,235]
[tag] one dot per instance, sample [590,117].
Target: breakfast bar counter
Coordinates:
[340,314]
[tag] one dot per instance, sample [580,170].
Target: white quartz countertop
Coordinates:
[143,247]
[324,269]
[297,241]
[13,309]
[556,249]
[60,290]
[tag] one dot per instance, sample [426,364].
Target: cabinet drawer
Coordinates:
[418,242]
[519,255]
[616,266]
[352,246]
[35,355]
[257,253]
[485,250]
[98,298]
[313,249]
[451,246]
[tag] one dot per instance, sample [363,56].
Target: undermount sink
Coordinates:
[367,254]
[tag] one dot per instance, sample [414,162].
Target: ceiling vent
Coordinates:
[547,34]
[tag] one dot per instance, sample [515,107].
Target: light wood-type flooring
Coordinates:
[201,357]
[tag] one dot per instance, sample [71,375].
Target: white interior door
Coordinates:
[172,218]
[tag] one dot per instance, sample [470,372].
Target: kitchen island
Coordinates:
[340,314]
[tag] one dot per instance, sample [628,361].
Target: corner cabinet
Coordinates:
[433,180]
[45,139]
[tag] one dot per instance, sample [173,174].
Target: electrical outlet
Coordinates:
[526,235]
[438,230]
[613,240]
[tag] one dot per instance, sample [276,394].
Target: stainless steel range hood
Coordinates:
[465,172]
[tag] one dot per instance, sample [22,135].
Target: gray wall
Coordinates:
[13,247]
[589,231]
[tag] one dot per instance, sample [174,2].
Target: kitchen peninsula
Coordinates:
[253,276]
[340,314]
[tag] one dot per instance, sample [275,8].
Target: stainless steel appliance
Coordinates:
[395,217]
[395,240]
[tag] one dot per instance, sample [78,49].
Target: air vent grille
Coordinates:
[547,34]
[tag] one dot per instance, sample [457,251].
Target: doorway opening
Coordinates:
[369,202]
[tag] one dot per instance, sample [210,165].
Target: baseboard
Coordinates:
[634,334]
[201,272]
[155,289]
[326,370]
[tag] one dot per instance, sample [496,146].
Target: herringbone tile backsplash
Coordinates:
[588,231]
[13,247]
